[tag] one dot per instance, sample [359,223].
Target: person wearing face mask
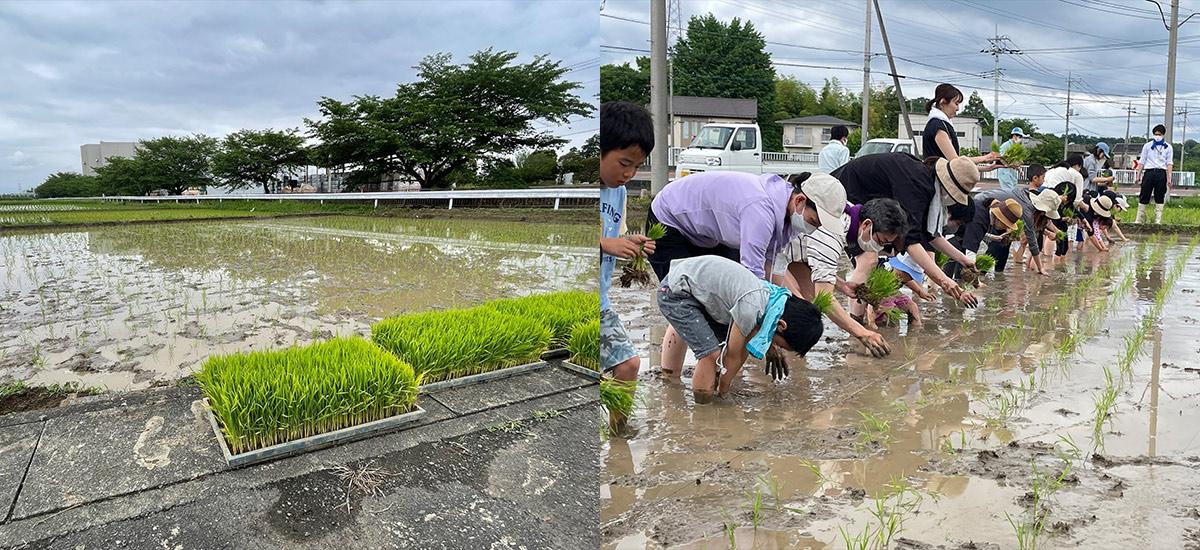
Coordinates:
[1157,161]
[1008,176]
[747,218]
[923,189]
[808,265]
[939,138]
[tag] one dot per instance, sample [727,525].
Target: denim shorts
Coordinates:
[702,334]
[615,345]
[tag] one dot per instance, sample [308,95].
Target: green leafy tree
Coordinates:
[124,176]
[854,141]
[716,59]
[67,184]
[976,108]
[626,83]
[250,158]
[591,147]
[537,167]
[452,116]
[1049,152]
[586,169]
[177,163]
[794,99]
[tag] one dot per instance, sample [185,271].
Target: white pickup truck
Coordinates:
[738,148]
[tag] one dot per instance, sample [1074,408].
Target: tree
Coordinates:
[729,61]
[176,164]
[67,184]
[625,83]
[976,108]
[1007,125]
[124,176]
[591,147]
[854,141]
[1049,152]
[586,169]
[259,158]
[794,99]
[537,167]
[452,116]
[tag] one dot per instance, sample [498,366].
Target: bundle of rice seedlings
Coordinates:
[617,395]
[1060,236]
[1014,156]
[893,315]
[559,312]
[879,285]
[585,344]
[940,258]
[450,344]
[823,300]
[1014,234]
[264,398]
[983,263]
[637,270]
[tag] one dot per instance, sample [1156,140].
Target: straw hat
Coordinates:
[1047,201]
[1102,206]
[958,176]
[1007,212]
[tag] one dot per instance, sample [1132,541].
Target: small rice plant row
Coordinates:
[442,345]
[264,398]
[585,344]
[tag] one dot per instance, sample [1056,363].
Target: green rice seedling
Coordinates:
[585,344]
[755,507]
[731,529]
[824,301]
[940,258]
[984,263]
[1060,236]
[559,312]
[1014,234]
[873,430]
[637,270]
[617,395]
[449,344]
[880,285]
[265,398]
[857,542]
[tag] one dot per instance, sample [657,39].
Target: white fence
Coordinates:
[557,195]
[1123,177]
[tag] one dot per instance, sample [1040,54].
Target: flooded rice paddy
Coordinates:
[986,428]
[126,307]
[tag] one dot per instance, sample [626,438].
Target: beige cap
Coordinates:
[1047,201]
[958,176]
[828,195]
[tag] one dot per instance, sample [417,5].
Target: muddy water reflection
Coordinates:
[692,470]
[123,307]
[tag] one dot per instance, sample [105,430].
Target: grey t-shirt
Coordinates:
[726,289]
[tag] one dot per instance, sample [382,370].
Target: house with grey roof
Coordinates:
[692,113]
[809,134]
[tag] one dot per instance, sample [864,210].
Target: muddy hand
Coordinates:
[776,365]
[875,344]
[968,299]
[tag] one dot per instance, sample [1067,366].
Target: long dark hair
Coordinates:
[944,93]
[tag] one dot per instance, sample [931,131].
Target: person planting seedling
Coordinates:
[725,314]
[983,263]
[1003,216]
[638,269]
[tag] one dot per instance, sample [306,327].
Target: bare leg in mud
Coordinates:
[704,378]
[673,352]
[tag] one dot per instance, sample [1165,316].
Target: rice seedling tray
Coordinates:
[483,377]
[581,370]
[310,443]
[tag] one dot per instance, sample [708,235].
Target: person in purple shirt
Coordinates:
[747,218]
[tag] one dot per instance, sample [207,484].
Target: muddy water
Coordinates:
[962,428]
[126,307]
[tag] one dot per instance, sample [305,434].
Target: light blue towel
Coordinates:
[758,345]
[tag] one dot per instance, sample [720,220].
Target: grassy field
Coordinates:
[1184,211]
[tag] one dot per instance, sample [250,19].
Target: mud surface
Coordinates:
[964,426]
[130,307]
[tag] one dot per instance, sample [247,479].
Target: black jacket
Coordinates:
[899,176]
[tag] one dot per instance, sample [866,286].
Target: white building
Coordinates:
[95,155]
[969,130]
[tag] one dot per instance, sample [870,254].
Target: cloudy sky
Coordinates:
[82,72]
[941,42]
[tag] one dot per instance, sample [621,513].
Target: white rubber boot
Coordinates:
[1158,208]
[1141,213]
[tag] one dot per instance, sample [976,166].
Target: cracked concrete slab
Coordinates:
[16,449]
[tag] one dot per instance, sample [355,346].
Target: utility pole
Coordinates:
[673,16]
[866,94]
[1183,139]
[887,47]
[1174,35]
[660,157]
[997,48]
[1067,134]
[1149,90]
[1129,110]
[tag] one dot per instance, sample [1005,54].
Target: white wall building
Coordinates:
[969,130]
[95,155]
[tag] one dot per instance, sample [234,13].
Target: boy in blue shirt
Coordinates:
[626,138]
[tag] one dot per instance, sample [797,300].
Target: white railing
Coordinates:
[804,158]
[471,194]
[1123,177]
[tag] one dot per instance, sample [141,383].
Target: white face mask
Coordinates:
[800,225]
[869,245]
